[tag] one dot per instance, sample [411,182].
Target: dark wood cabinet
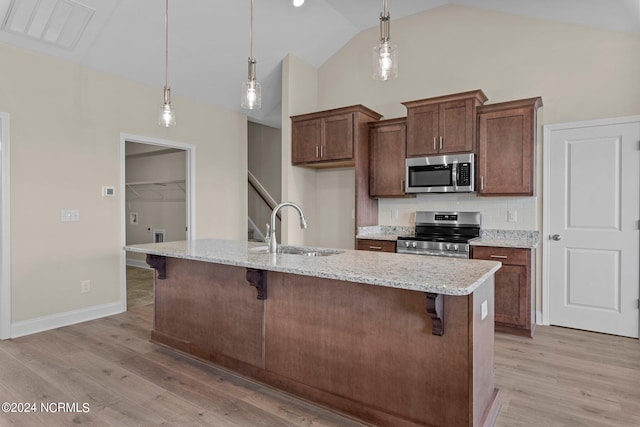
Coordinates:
[387,153]
[514,289]
[376,245]
[306,135]
[506,148]
[322,139]
[329,138]
[445,124]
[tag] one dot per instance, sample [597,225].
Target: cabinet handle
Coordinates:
[317,152]
[435,138]
[321,151]
[482,182]
[375,248]
[440,142]
[498,256]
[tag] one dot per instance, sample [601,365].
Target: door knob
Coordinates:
[555,237]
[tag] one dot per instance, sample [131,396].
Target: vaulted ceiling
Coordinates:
[209,39]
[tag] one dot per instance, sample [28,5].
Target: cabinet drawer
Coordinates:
[376,245]
[512,256]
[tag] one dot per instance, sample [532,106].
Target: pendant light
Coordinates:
[385,55]
[167,111]
[251,89]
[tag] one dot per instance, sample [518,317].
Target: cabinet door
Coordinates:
[423,130]
[337,137]
[305,141]
[506,148]
[511,295]
[387,167]
[514,290]
[456,127]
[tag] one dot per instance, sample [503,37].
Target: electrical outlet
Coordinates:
[484,310]
[394,214]
[512,216]
[85,286]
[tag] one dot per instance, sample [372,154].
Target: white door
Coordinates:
[593,224]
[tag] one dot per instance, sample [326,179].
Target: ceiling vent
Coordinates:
[57,22]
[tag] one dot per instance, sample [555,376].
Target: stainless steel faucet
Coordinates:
[273,244]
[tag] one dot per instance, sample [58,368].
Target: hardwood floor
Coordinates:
[561,377]
[565,377]
[139,286]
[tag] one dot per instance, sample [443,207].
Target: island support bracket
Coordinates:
[435,309]
[258,279]
[159,263]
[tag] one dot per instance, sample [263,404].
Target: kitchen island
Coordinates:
[389,339]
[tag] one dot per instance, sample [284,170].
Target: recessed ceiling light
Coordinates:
[298,3]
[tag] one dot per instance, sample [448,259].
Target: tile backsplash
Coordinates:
[495,210]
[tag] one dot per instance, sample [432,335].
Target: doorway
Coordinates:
[157,205]
[5,236]
[592,230]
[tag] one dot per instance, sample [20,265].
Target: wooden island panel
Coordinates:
[360,349]
[209,311]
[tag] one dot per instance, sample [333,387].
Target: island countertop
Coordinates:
[447,276]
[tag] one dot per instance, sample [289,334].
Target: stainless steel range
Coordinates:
[442,234]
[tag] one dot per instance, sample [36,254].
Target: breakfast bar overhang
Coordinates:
[392,340]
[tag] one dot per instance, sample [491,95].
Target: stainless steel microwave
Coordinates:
[452,173]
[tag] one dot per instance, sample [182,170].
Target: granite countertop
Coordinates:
[488,237]
[384,232]
[447,276]
[507,239]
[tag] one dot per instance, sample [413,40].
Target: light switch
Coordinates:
[512,216]
[485,310]
[70,215]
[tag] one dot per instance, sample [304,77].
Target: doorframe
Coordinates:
[546,212]
[190,186]
[5,230]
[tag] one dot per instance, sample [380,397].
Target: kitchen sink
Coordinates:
[297,250]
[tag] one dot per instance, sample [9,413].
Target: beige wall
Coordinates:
[580,73]
[299,96]
[66,123]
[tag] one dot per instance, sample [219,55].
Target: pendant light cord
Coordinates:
[166,44]
[251,34]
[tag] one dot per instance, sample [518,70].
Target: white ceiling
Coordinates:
[209,39]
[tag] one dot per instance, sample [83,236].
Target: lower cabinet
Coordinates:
[376,245]
[514,290]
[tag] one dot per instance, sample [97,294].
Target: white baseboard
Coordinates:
[40,324]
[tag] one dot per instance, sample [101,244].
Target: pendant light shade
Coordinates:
[167,117]
[385,54]
[251,91]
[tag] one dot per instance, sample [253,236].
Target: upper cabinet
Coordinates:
[506,148]
[445,124]
[330,138]
[387,139]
